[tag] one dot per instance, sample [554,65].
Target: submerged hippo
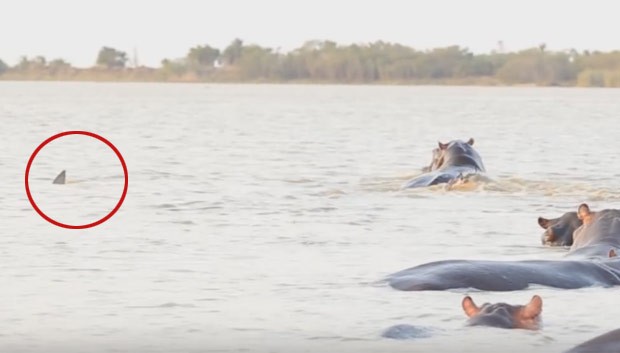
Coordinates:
[452,160]
[504,315]
[499,315]
[606,343]
[591,261]
[559,231]
[407,332]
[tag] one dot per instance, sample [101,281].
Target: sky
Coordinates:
[75,30]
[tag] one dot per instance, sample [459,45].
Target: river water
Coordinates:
[260,217]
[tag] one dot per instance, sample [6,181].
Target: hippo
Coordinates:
[606,343]
[504,315]
[452,160]
[500,315]
[590,261]
[404,331]
[437,152]
[559,231]
[501,276]
[589,234]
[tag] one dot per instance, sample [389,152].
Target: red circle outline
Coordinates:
[83,226]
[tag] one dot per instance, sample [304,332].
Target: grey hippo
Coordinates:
[559,231]
[589,234]
[452,161]
[591,261]
[500,315]
[606,343]
[504,315]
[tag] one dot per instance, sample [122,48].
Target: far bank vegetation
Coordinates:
[328,62]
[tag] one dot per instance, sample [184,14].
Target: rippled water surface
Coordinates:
[260,218]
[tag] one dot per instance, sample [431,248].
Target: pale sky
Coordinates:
[76,29]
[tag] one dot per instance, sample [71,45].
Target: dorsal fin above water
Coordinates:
[60,179]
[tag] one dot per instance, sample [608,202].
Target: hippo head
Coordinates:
[559,231]
[504,315]
[435,161]
[445,146]
[439,153]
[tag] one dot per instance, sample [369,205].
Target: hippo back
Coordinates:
[605,343]
[461,154]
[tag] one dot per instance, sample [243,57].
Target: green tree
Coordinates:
[111,58]
[58,66]
[522,67]
[445,62]
[3,67]
[232,53]
[24,64]
[200,59]
[39,63]
[257,63]
[203,55]
[481,65]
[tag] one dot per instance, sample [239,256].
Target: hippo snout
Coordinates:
[547,237]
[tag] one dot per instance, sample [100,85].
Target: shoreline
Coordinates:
[430,83]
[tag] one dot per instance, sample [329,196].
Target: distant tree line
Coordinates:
[326,61]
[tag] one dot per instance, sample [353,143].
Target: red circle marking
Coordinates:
[83,226]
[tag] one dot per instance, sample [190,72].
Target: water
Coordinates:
[259,218]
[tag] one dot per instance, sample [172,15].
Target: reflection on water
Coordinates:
[259,218]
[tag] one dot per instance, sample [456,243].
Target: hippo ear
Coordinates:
[543,222]
[532,309]
[442,146]
[470,307]
[612,253]
[470,141]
